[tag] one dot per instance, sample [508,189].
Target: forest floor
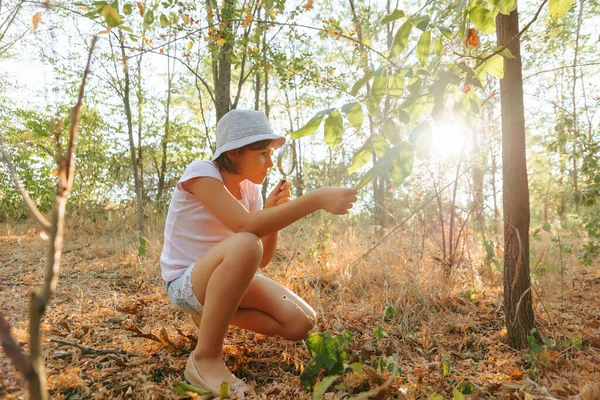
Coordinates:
[111,333]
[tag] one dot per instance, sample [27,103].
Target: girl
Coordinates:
[217,235]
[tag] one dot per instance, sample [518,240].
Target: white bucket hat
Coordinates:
[238,128]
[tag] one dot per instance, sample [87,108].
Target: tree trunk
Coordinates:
[517,284]
[132,149]
[265,184]
[165,139]
[221,64]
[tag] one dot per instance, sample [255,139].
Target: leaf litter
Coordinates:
[110,331]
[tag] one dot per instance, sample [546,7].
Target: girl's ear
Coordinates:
[233,155]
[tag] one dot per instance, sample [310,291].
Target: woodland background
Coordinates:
[399,98]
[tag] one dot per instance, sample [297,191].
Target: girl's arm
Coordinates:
[213,194]
[280,195]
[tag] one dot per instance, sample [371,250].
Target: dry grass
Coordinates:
[106,292]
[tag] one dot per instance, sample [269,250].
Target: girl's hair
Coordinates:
[223,162]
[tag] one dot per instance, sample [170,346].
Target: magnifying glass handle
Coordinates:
[283,179]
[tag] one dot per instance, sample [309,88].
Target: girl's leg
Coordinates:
[220,280]
[272,309]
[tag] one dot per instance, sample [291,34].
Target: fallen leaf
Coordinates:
[516,374]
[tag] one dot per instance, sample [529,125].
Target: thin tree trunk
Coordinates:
[140,118]
[221,64]
[265,184]
[132,148]
[517,283]
[166,136]
[573,97]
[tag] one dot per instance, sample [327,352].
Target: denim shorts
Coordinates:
[181,293]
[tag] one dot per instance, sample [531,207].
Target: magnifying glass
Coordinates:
[286,160]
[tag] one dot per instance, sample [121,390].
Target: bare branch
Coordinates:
[12,349]
[31,207]
[38,303]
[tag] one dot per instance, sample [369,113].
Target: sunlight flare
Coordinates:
[450,139]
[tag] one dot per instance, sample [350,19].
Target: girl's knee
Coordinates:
[299,328]
[248,245]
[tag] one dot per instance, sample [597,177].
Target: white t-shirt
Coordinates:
[191,230]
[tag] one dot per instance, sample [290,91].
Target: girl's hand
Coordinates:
[337,200]
[280,195]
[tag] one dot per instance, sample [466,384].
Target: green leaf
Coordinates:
[143,246]
[390,312]
[224,390]
[436,396]
[372,106]
[396,85]
[401,39]
[396,14]
[403,163]
[422,138]
[334,129]
[111,16]
[40,129]
[535,348]
[558,8]
[356,116]
[321,387]
[378,88]
[414,84]
[495,66]
[307,377]
[127,9]
[380,145]
[391,131]
[446,32]
[505,6]
[421,22]
[368,177]
[412,109]
[547,227]
[423,47]
[379,332]
[356,366]
[182,388]
[484,19]
[362,156]
[268,4]
[308,129]
[360,83]
[466,387]
[438,47]
[164,21]
[507,54]
[456,395]
[445,369]
[325,112]
[149,17]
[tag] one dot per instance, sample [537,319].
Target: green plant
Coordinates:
[328,354]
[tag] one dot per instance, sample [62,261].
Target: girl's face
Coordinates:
[254,165]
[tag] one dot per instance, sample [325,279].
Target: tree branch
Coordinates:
[12,349]
[505,45]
